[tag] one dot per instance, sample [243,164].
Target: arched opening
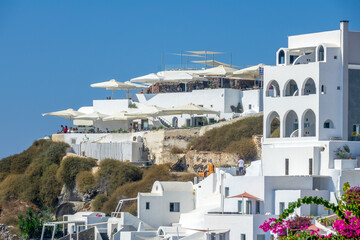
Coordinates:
[328,124]
[309,123]
[65,209]
[175,122]
[291,124]
[291,89]
[273,125]
[309,87]
[273,89]
[281,57]
[321,54]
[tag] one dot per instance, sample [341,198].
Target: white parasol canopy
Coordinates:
[191,109]
[149,78]
[115,85]
[213,63]
[217,71]
[149,111]
[68,114]
[120,116]
[92,116]
[252,71]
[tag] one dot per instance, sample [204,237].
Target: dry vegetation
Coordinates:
[233,138]
[37,175]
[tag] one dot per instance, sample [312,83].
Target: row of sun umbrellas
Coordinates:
[143,113]
[179,76]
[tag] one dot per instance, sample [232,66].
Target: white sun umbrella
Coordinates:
[121,116]
[217,71]
[191,109]
[151,78]
[149,111]
[115,85]
[92,116]
[252,72]
[68,114]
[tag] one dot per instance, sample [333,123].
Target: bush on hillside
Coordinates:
[12,187]
[71,166]
[113,173]
[98,202]
[50,187]
[219,139]
[54,153]
[85,181]
[131,189]
[245,148]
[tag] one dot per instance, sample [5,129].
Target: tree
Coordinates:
[30,225]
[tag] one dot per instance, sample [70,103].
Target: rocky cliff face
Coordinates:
[5,233]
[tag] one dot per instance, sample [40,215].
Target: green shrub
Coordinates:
[50,187]
[54,153]
[113,173]
[71,166]
[131,189]
[85,181]
[245,148]
[30,225]
[98,202]
[12,187]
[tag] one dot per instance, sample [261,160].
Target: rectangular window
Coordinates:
[240,208]
[249,106]
[286,166]
[310,166]
[227,190]
[260,237]
[257,207]
[243,236]
[213,236]
[174,207]
[147,206]
[248,207]
[281,207]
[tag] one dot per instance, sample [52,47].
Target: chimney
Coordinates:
[344,25]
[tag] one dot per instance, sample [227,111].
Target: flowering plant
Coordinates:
[347,225]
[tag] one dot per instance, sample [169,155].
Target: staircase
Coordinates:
[164,123]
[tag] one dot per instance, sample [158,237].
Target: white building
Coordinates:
[312,91]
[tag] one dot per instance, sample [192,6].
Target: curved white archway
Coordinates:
[273,89]
[271,124]
[291,124]
[309,87]
[291,88]
[309,123]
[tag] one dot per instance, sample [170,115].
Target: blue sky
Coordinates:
[51,51]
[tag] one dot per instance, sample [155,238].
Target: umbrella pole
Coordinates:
[112,95]
[127,93]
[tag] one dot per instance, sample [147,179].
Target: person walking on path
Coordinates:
[241,166]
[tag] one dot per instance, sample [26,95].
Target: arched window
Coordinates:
[291,124]
[328,124]
[273,125]
[309,123]
[321,54]
[291,89]
[273,89]
[281,59]
[309,87]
